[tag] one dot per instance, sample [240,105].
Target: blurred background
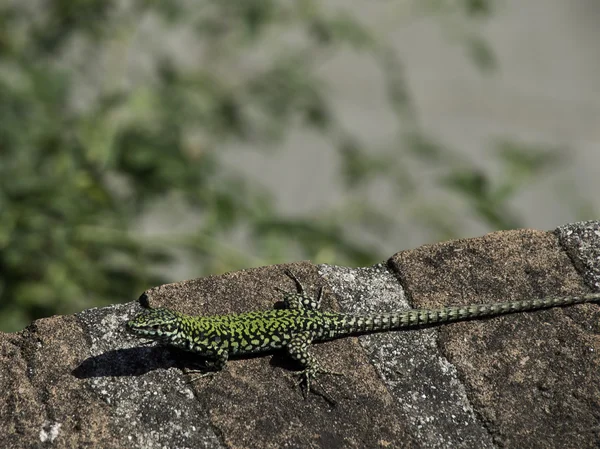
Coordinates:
[145,142]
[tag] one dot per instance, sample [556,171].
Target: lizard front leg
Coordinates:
[213,365]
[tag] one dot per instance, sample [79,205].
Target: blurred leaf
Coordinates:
[476,189]
[396,85]
[471,183]
[481,54]
[479,8]
[359,165]
[526,160]
[313,236]
[341,29]
[424,147]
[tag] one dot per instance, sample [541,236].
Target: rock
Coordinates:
[520,380]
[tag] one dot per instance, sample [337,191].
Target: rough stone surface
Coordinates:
[431,396]
[581,241]
[521,380]
[532,378]
[151,404]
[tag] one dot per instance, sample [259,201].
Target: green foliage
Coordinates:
[97,128]
[79,175]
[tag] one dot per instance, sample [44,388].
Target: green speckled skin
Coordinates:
[301,323]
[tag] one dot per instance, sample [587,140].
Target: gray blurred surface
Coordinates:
[545,91]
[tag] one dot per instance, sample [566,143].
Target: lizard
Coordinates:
[301,322]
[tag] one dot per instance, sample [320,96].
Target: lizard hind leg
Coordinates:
[298,349]
[300,299]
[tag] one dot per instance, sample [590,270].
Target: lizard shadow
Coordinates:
[133,362]
[141,360]
[125,362]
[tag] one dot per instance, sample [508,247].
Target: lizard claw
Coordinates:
[308,374]
[209,374]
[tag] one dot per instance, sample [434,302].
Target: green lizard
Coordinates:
[300,323]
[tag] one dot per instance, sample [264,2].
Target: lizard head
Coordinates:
[155,324]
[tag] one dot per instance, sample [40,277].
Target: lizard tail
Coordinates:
[357,324]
